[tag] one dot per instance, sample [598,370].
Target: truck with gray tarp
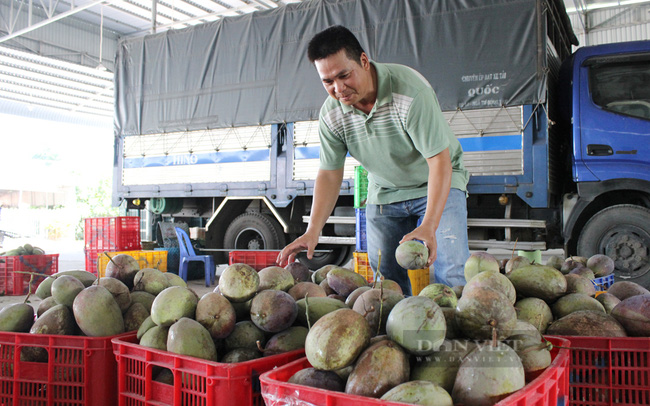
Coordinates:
[216,125]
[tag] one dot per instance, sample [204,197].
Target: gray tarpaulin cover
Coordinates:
[253,69]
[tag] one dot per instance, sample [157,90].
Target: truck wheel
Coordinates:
[336,255]
[254,231]
[621,232]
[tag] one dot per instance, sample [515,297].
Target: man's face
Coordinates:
[344,79]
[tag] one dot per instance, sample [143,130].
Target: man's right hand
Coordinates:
[304,242]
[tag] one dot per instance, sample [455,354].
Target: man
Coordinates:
[387,116]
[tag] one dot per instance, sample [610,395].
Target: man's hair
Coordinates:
[330,41]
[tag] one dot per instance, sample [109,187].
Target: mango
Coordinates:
[478,262]
[337,339]
[123,267]
[494,280]
[487,375]
[539,281]
[321,273]
[58,320]
[624,289]
[299,271]
[175,280]
[344,281]
[602,265]
[65,288]
[417,324]
[143,297]
[287,340]
[240,355]
[441,367]
[273,310]
[119,291]
[216,314]
[150,280]
[45,305]
[574,302]
[422,393]
[376,307]
[352,297]
[318,307]
[315,378]
[189,337]
[245,335]
[379,368]
[482,310]
[145,326]
[239,283]
[17,318]
[44,290]
[275,278]
[608,301]
[579,284]
[155,337]
[634,314]
[587,323]
[301,289]
[134,316]
[443,295]
[97,313]
[412,254]
[172,304]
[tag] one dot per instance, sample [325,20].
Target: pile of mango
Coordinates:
[75,302]
[474,344]
[26,249]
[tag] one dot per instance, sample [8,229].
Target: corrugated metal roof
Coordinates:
[58,54]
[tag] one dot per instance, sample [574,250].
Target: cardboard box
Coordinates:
[197,233]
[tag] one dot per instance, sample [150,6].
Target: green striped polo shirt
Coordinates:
[392,142]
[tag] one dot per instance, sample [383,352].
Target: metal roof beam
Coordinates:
[195,20]
[53,19]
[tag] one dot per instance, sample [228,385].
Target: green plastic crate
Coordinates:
[360,187]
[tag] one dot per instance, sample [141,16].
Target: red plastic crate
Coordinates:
[112,233]
[81,371]
[196,381]
[92,257]
[256,259]
[14,283]
[609,371]
[550,388]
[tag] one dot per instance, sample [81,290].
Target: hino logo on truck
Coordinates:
[186,159]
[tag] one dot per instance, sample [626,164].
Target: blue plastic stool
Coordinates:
[187,255]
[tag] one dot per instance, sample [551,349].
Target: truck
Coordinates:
[216,125]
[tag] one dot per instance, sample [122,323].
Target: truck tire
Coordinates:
[336,254]
[254,231]
[621,232]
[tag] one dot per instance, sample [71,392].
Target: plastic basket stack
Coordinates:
[109,234]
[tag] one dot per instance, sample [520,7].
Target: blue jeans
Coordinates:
[386,224]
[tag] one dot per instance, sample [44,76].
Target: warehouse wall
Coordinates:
[616,24]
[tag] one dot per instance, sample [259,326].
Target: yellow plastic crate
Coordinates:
[419,280]
[146,259]
[419,277]
[362,265]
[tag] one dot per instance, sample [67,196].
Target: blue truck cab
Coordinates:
[605,94]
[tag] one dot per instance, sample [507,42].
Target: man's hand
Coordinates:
[427,235]
[304,242]
[439,182]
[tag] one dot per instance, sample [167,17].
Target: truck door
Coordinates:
[615,116]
